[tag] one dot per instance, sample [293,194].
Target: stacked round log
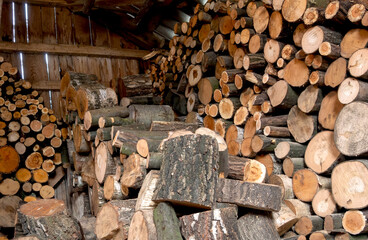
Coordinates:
[31,141]
[284,82]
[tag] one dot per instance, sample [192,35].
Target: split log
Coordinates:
[298,207]
[134,171]
[330,109]
[310,99]
[302,126]
[200,197]
[323,203]
[144,200]
[113,190]
[321,154]
[166,222]
[306,184]
[104,163]
[201,225]
[349,130]
[348,184]
[248,195]
[113,216]
[142,226]
[48,218]
[284,219]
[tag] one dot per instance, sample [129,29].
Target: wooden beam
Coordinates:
[75,50]
[46,85]
[74,3]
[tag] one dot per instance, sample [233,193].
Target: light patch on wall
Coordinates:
[48,75]
[13,16]
[21,65]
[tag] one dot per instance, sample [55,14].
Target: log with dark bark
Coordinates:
[202,225]
[166,222]
[256,225]
[145,114]
[193,166]
[92,117]
[47,219]
[249,195]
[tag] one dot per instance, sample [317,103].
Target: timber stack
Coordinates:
[284,83]
[31,140]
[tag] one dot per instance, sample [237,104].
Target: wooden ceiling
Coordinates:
[136,20]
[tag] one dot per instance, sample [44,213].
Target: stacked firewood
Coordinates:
[284,82]
[31,140]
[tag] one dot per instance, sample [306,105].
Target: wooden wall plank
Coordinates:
[34,24]
[35,70]
[105,71]
[20,23]
[82,33]
[54,76]
[6,29]
[66,64]
[36,67]
[48,25]
[64,26]
[100,35]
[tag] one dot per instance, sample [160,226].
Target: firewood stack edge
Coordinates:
[284,83]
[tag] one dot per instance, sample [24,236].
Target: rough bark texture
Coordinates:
[256,225]
[214,224]
[166,222]
[250,195]
[188,173]
[47,219]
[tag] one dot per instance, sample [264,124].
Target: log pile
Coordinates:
[31,141]
[284,82]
